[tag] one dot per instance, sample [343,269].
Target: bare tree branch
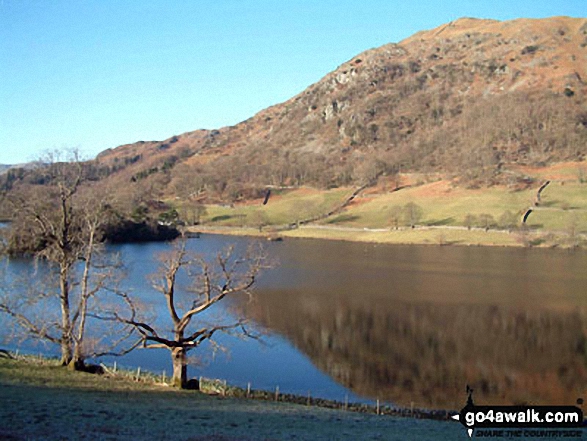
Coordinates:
[209,283]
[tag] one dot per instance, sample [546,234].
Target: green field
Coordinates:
[448,214]
[560,206]
[425,236]
[438,209]
[284,207]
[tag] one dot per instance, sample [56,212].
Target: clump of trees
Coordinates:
[407,215]
[507,221]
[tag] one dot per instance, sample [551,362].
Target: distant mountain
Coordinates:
[467,99]
[5,167]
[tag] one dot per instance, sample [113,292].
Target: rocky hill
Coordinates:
[467,99]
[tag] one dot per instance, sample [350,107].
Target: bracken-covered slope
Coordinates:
[467,99]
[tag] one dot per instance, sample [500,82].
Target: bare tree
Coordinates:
[572,231]
[486,221]
[395,213]
[259,219]
[192,212]
[523,235]
[469,221]
[412,214]
[581,174]
[508,220]
[59,226]
[209,282]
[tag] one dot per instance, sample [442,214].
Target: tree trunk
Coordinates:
[77,362]
[66,346]
[180,374]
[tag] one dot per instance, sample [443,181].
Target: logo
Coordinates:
[522,418]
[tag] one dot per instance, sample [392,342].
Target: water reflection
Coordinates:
[426,353]
[416,324]
[399,323]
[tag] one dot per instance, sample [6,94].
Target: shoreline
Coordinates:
[47,402]
[424,235]
[219,388]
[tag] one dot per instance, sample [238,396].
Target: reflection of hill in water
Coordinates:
[426,353]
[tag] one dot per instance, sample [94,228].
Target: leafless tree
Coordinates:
[523,235]
[412,214]
[192,212]
[470,220]
[572,231]
[259,219]
[394,213]
[227,277]
[58,225]
[486,221]
[508,220]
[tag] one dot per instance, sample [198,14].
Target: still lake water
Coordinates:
[405,324]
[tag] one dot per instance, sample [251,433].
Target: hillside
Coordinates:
[468,99]
[476,103]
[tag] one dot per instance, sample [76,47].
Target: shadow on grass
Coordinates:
[450,242]
[440,222]
[221,218]
[343,218]
[551,203]
[534,226]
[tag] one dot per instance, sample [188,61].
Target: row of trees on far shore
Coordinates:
[410,214]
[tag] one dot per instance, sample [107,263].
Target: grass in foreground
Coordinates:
[44,401]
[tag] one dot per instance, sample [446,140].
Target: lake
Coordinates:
[403,324]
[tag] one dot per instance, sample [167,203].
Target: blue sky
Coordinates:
[95,74]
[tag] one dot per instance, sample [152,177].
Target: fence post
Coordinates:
[377,406]
[346,402]
[276,393]
[248,389]
[138,373]
[309,402]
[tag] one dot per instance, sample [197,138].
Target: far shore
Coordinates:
[424,235]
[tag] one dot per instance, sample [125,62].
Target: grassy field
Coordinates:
[41,401]
[284,207]
[447,212]
[444,205]
[425,236]
[441,204]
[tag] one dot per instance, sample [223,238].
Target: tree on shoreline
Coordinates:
[395,214]
[412,214]
[58,224]
[208,283]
